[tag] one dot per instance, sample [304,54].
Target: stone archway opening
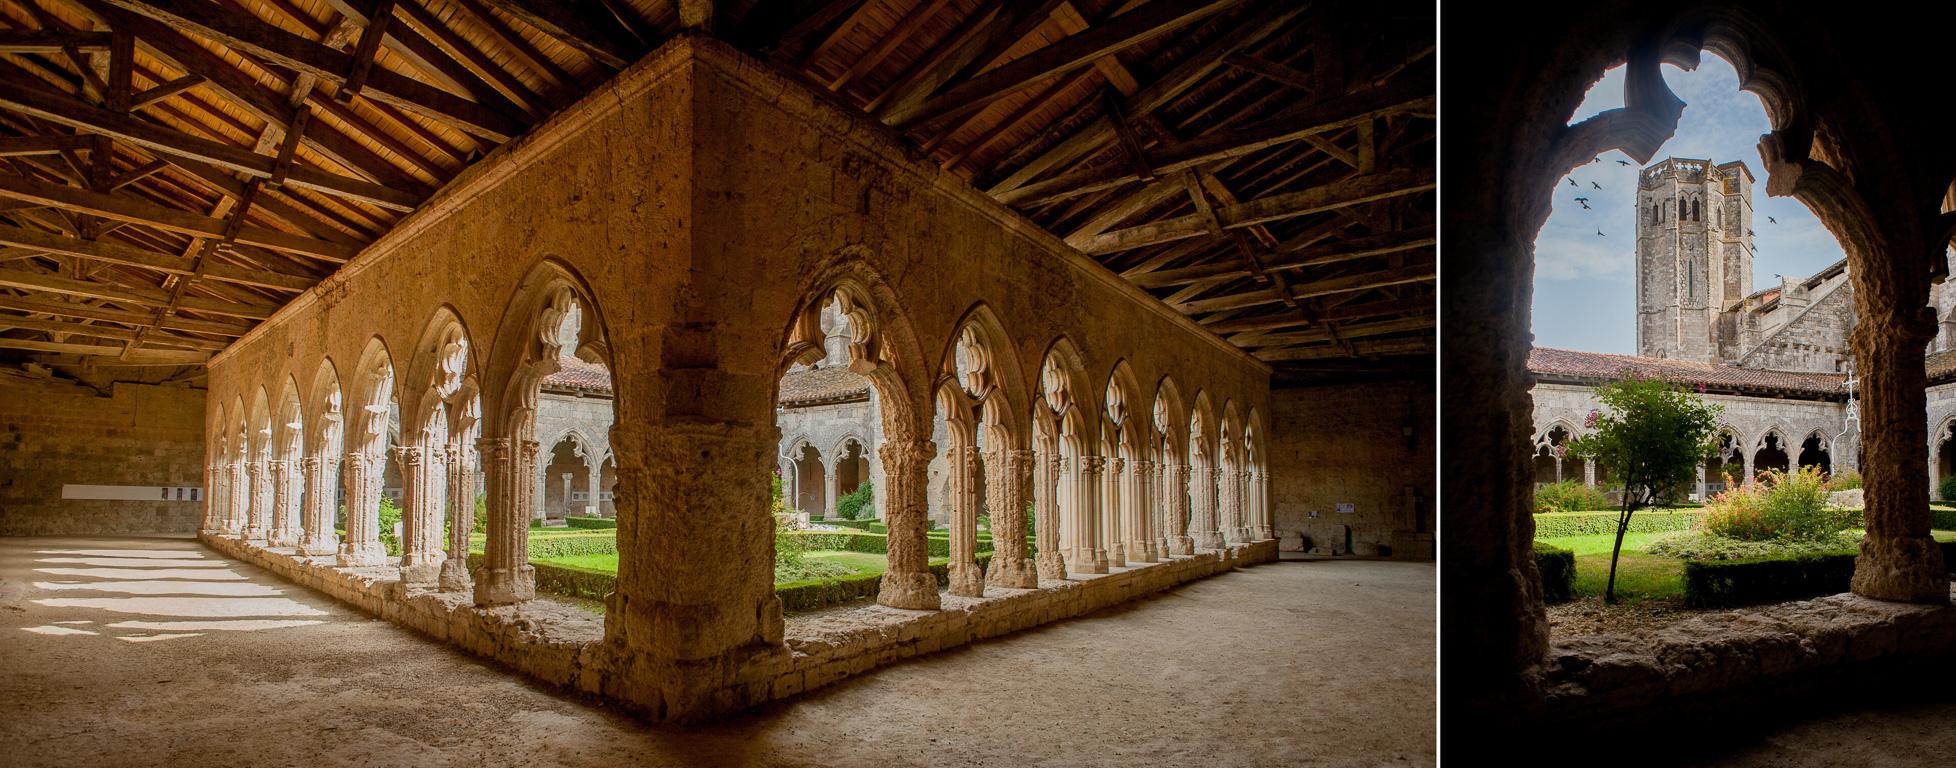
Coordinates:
[1771,456]
[575,402]
[1814,453]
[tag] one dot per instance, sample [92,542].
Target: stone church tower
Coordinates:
[1694,255]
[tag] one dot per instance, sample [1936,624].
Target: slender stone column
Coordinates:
[216,498]
[259,525]
[567,493]
[908,583]
[1589,472]
[319,540]
[538,496]
[1094,555]
[1179,542]
[506,576]
[967,580]
[1265,530]
[594,478]
[1138,508]
[1745,462]
[287,487]
[240,499]
[461,519]
[362,546]
[1112,479]
[1202,486]
[421,535]
[1050,558]
[829,490]
[1008,476]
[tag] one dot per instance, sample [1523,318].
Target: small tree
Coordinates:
[1654,437]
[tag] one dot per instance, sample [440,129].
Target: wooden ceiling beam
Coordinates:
[423,54]
[60,108]
[1402,325]
[163,262]
[992,28]
[537,105]
[19,146]
[1357,248]
[1363,189]
[1224,326]
[249,34]
[1362,349]
[1412,95]
[153,297]
[1121,33]
[774,24]
[51,41]
[148,357]
[582,24]
[1163,91]
[108,332]
[1361,282]
[176,220]
[67,309]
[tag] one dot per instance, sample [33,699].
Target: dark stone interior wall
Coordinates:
[1348,444]
[140,434]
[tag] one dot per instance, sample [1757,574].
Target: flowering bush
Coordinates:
[1844,481]
[1569,496]
[1783,506]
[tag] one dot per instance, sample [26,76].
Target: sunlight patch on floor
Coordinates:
[230,589]
[188,606]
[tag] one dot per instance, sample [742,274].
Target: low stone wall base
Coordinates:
[564,646]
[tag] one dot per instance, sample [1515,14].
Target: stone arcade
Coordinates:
[1872,159]
[1159,273]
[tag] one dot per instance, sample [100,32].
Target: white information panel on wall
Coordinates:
[1347,509]
[132,492]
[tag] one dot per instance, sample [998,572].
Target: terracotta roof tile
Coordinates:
[822,385]
[1597,365]
[580,374]
[1940,364]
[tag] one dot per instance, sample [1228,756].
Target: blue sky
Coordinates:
[1585,284]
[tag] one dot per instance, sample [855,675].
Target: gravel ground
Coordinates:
[1591,616]
[154,651]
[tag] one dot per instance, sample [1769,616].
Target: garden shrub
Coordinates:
[1698,545]
[879,528]
[1559,524]
[1942,520]
[1784,506]
[860,525]
[566,579]
[1558,568]
[1947,488]
[592,523]
[390,513]
[573,545]
[1570,496]
[1730,583]
[850,506]
[1844,481]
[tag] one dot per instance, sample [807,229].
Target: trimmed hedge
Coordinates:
[592,523]
[574,545]
[1552,525]
[1942,519]
[873,543]
[1731,583]
[860,525]
[1558,568]
[569,580]
[810,595]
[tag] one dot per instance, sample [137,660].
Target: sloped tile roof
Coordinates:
[1600,366]
[579,374]
[1940,364]
[823,385]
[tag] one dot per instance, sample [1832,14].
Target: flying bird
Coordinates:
[1750,232]
[1596,185]
[1599,232]
[1572,182]
[1622,162]
[1585,203]
[1773,220]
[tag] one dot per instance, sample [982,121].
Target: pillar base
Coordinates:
[1051,565]
[284,537]
[319,546]
[455,576]
[967,580]
[362,554]
[1208,540]
[1181,546]
[1907,569]
[1115,556]
[1142,552]
[253,534]
[915,591]
[1013,573]
[503,586]
[421,568]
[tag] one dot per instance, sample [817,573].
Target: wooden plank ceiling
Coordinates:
[174,171]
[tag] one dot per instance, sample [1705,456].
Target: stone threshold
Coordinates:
[1752,657]
[564,646]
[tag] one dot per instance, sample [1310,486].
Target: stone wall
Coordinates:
[1814,339]
[139,434]
[1748,419]
[1347,444]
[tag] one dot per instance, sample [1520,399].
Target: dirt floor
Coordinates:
[153,651]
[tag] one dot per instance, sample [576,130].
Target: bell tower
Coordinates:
[1694,254]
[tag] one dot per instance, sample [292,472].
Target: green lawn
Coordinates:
[860,561]
[1638,576]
